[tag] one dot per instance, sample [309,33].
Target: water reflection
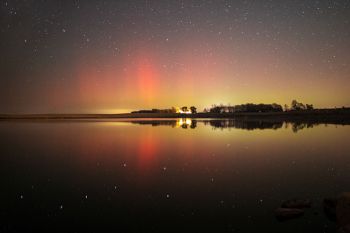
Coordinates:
[196,170]
[186,123]
[240,124]
[175,123]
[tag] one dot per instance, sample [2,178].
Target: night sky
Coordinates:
[114,56]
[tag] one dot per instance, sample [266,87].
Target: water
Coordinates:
[169,175]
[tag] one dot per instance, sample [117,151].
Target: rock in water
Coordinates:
[338,209]
[297,203]
[343,212]
[329,208]
[283,214]
[345,229]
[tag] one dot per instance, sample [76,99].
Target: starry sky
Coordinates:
[115,56]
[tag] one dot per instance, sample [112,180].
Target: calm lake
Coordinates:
[176,175]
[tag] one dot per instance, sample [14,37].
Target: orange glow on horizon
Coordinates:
[140,81]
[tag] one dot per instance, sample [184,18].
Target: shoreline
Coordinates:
[318,116]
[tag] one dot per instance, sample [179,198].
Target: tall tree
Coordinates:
[184,109]
[193,109]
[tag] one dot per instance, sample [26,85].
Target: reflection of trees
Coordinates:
[252,125]
[241,124]
[186,123]
[155,122]
[296,126]
[193,124]
[183,123]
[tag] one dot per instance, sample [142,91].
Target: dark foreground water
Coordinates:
[168,176]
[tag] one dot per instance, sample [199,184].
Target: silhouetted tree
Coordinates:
[297,106]
[215,109]
[276,107]
[247,108]
[193,109]
[184,109]
[309,107]
[286,107]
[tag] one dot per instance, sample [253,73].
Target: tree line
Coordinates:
[183,109]
[250,107]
